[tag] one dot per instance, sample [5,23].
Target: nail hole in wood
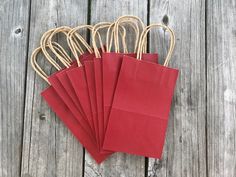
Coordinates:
[18,30]
[42,116]
[180,139]
[165,20]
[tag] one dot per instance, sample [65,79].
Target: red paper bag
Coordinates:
[98,74]
[112,60]
[74,40]
[75,79]
[72,124]
[90,78]
[60,82]
[110,70]
[60,90]
[58,106]
[141,105]
[101,85]
[99,96]
[65,81]
[78,80]
[99,90]
[93,72]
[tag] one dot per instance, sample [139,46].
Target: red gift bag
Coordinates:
[111,67]
[77,79]
[112,63]
[98,76]
[94,78]
[74,40]
[55,82]
[94,81]
[66,116]
[84,85]
[141,105]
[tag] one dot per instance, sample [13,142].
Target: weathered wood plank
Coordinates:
[13,51]
[185,147]
[118,164]
[49,148]
[221,88]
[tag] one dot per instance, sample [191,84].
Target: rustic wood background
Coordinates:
[201,138]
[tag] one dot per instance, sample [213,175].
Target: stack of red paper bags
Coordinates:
[111,101]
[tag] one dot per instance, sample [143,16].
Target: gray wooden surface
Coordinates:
[201,137]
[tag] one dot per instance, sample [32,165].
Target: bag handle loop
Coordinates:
[73,35]
[79,37]
[134,26]
[64,30]
[110,35]
[108,25]
[36,66]
[43,41]
[144,34]
[122,33]
[128,19]
[95,32]
[43,44]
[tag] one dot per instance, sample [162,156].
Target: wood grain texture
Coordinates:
[185,147]
[118,164]
[221,88]
[49,149]
[13,53]
[201,134]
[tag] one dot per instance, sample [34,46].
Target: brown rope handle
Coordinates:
[75,46]
[36,66]
[43,45]
[55,45]
[122,33]
[64,30]
[95,32]
[144,34]
[128,19]
[108,25]
[60,50]
[65,59]
[79,37]
[134,26]
[110,36]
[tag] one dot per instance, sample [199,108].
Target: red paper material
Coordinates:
[141,105]
[77,78]
[97,63]
[90,78]
[65,81]
[78,81]
[110,70]
[99,84]
[60,90]
[66,116]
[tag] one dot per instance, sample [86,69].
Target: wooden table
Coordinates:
[201,138]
